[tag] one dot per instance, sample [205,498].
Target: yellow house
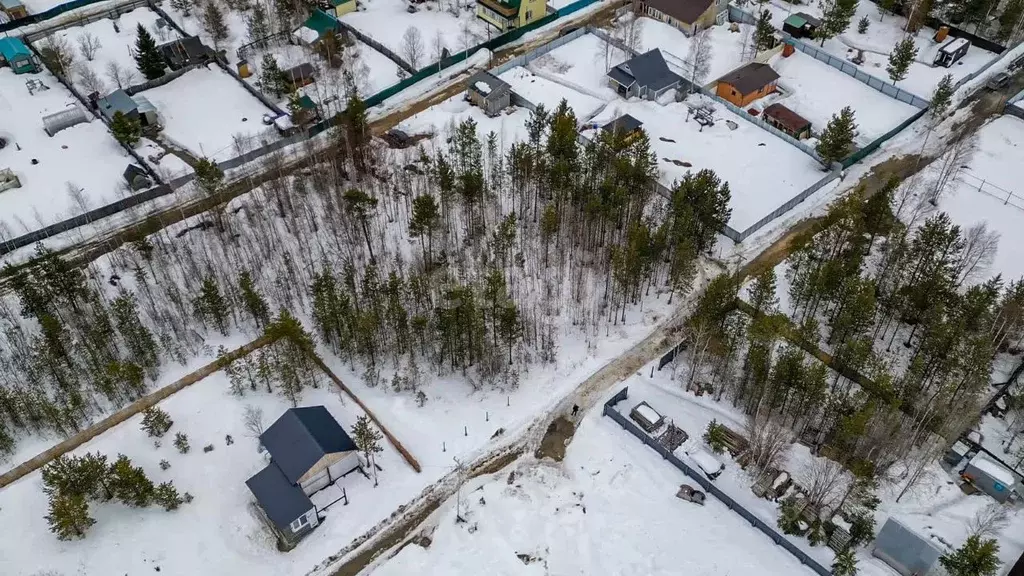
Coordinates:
[341,7]
[508,15]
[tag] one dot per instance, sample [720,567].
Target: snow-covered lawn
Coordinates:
[763,171]
[583,62]
[205,109]
[387,20]
[510,125]
[726,46]
[883,33]
[85,157]
[116,46]
[540,90]
[233,19]
[816,91]
[990,191]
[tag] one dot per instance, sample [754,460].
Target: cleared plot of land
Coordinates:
[116,40]
[609,509]
[205,109]
[990,191]
[234,20]
[539,90]
[763,171]
[583,62]
[455,26]
[883,33]
[440,120]
[84,157]
[726,46]
[816,91]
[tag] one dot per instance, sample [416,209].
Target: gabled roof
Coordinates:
[187,48]
[321,22]
[488,85]
[648,70]
[787,117]
[301,437]
[280,499]
[750,78]
[686,11]
[625,124]
[807,19]
[13,48]
[116,101]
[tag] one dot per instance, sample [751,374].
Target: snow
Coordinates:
[306,35]
[609,508]
[582,62]
[234,20]
[649,414]
[483,87]
[115,46]
[204,110]
[708,463]
[816,91]
[85,156]
[510,126]
[747,157]
[994,470]
[387,20]
[726,46]
[540,90]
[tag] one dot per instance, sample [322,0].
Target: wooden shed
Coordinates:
[747,83]
[787,121]
[489,93]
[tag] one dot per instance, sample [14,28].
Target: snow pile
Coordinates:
[708,463]
[483,87]
[648,413]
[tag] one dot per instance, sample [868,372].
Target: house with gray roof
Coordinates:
[688,16]
[135,107]
[644,76]
[489,93]
[309,451]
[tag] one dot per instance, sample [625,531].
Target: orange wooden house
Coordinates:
[748,83]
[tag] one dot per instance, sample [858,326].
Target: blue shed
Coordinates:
[14,53]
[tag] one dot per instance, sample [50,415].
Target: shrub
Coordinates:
[156,422]
[181,442]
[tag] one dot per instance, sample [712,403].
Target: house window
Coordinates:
[733,92]
[300,523]
[529,14]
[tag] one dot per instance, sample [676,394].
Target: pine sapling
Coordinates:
[900,59]
[69,516]
[836,140]
[862,25]
[181,442]
[125,129]
[166,495]
[156,422]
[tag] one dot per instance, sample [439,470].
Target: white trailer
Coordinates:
[952,51]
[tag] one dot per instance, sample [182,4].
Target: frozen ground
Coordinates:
[387,20]
[816,91]
[541,90]
[116,46]
[763,171]
[726,46]
[510,125]
[989,190]
[206,109]
[883,33]
[193,25]
[85,157]
[583,62]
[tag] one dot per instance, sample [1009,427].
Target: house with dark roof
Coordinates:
[785,120]
[298,76]
[801,25]
[644,76]
[508,15]
[134,107]
[747,83]
[185,52]
[689,16]
[624,125]
[488,92]
[308,450]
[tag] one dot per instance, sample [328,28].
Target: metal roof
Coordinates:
[625,123]
[787,117]
[301,437]
[648,70]
[750,78]
[116,101]
[687,11]
[495,86]
[12,48]
[280,499]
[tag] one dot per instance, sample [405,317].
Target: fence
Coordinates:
[1007,197]
[378,47]
[524,59]
[47,14]
[165,79]
[984,43]
[112,13]
[706,484]
[671,355]
[1013,106]
[792,202]
[877,142]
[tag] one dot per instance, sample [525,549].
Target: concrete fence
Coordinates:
[707,485]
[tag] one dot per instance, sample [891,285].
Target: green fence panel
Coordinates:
[877,142]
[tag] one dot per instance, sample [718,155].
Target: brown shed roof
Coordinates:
[687,11]
[750,78]
[787,117]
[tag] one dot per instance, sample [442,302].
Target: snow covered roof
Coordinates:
[708,463]
[488,85]
[960,448]
[649,414]
[306,35]
[301,437]
[954,45]
[994,470]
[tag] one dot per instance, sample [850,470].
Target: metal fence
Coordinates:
[165,79]
[792,202]
[671,354]
[47,14]
[111,14]
[877,142]
[366,39]
[1007,197]
[524,59]
[707,485]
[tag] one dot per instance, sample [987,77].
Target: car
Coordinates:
[707,463]
[998,81]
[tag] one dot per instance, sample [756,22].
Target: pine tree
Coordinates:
[271,76]
[147,58]
[156,422]
[256,25]
[211,307]
[976,557]
[700,205]
[1009,19]
[253,301]
[836,141]
[139,340]
[845,563]
[209,176]
[425,219]
[941,98]
[836,17]
[367,439]
[213,23]
[764,32]
[126,130]
[362,205]
[129,483]
[863,24]
[69,515]
[181,442]
[900,59]
[167,496]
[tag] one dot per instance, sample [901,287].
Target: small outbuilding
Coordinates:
[646,417]
[308,450]
[136,177]
[801,25]
[298,76]
[318,25]
[904,550]
[624,125]
[66,118]
[956,453]
[489,93]
[339,8]
[185,52]
[747,83]
[138,108]
[13,8]
[14,53]
[991,478]
[645,76]
[787,121]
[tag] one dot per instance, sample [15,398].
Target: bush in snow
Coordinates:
[181,442]
[156,422]
[164,464]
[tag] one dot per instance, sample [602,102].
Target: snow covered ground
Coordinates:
[582,62]
[989,190]
[448,24]
[234,20]
[205,110]
[816,91]
[883,33]
[726,46]
[540,90]
[510,126]
[763,171]
[116,39]
[84,157]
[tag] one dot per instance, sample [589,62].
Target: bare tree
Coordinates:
[825,482]
[699,57]
[769,441]
[122,77]
[437,48]
[252,419]
[960,152]
[412,46]
[57,54]
[980,246]
[89,80]
[989,521]
[78,198]
[88,45]
[920,460]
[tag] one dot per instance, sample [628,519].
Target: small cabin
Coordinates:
[951,52]
[747,84]
[624,126]
[646,417]
[489,93]
[298,76]
[14,53]
[787,121]
[801,25]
